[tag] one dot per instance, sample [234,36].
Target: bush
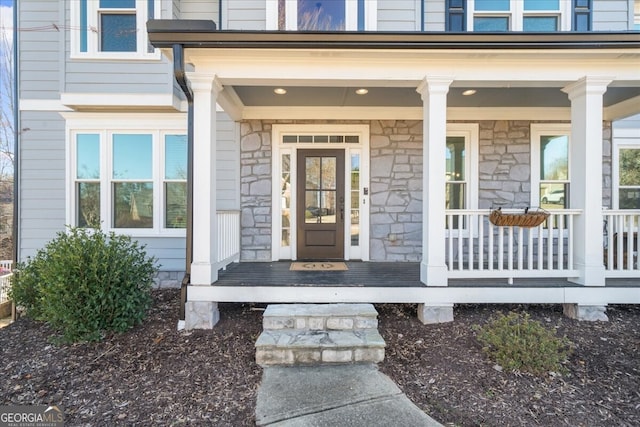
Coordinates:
[86,283]
[516,342]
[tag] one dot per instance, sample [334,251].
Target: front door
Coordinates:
[320,204]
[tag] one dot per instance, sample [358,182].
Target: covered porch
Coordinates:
[416,82]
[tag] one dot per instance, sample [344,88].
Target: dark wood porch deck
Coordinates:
[371,275]
[363,274]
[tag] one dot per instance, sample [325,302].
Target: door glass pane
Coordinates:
[88,195]
[313,172]
[355,200]
[554,157]
[88,156]
[540,23]
[312,207]
[285,198]
[133,205]
[132,156]
[321,15]
[492,4]
[491,23]
[329,205]
[541,4]
[329,173]
[118,32]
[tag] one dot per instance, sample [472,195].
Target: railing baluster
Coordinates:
[480,242]
[530,248]
[460,252]
[490,255]
[510,250]
[560,265]
[500,248]
[470,219]
[520,247]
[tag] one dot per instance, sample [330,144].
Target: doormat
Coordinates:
[318,266]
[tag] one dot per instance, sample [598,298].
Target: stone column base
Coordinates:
[430,314]
[589,313]
[201,314]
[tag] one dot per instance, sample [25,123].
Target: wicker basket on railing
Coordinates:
[528,218]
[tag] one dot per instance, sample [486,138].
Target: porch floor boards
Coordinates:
[372,275]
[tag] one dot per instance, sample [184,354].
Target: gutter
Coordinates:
[203,34]
[181,79]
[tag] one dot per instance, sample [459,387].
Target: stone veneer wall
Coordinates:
[396,190]
[396,181]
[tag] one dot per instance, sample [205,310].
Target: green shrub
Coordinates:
[516,342]
[86,283]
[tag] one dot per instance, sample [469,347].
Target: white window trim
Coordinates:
[470,132]
[516,14]
[93,51]
[615,166]
[351,15]
[363,131]
[538,130]
[103,125]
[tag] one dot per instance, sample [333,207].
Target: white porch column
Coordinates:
[586,186]
[205,88]
[433,270]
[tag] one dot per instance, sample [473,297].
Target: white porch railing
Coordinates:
[228,237]
[5,279]
[621,243]
[475,248]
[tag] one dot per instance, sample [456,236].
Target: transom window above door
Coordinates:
[321,15]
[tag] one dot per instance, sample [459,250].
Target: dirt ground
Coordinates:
[156,375]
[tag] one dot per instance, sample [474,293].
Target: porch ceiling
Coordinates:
[322,70]
[305,96]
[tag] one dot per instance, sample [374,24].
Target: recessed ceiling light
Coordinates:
[279,91]
[469,92]
[362,91]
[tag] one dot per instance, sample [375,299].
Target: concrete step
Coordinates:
[320,317]
[312,347]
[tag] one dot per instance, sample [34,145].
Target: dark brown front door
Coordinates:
[320,207]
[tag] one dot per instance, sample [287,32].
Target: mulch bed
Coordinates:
[157,375]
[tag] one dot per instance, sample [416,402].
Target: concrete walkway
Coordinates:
[339,395]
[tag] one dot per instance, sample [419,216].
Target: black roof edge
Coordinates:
[164,33]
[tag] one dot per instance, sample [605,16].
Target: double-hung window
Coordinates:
[461,179]
[518,15]
[550,171]
[112,28]
[627,176]
[322,15]
[129,180]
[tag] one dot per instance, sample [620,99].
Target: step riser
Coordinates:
[319,323]
[267,357]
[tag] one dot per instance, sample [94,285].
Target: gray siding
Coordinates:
[611,15]
[398,15]
[434,15]
[40,58]
[42,180]
[228,163]
[199,9]
[244,15]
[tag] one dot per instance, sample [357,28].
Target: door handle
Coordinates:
[342,208]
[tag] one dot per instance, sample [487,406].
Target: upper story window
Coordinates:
[519,15]
[636,15]
[112,28]
[321,15]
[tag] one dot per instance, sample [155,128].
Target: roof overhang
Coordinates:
[321,70]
